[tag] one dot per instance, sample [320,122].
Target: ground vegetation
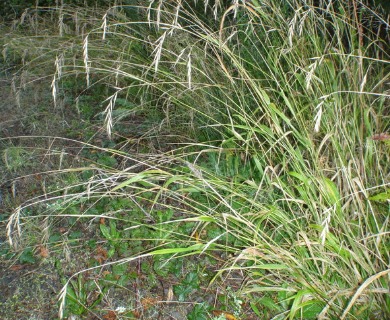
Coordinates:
[195,160]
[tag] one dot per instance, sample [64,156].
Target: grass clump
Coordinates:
[260,131]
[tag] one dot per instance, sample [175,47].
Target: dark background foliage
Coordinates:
[11,9]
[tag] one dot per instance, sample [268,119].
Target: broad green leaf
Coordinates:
[381,197]
[187,286]
[296,305]
[136,178]
[299,176]
[199,312]
[265,96]
[333,243]
[174,179]
[105,231]
[311,309]
[331,191]
[271,266]
[27,256]
[275,109]
[195,247]
[269,303]
[255,309]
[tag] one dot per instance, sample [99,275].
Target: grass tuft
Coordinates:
[258,138]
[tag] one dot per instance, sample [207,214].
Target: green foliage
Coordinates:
[27,256]
[381,197]
[199,312]
[78,301]
[187,286]
[115,241]
[12,9]
[16,158]
[271,107]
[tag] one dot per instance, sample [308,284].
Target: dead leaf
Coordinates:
[381,136]
[199,235]
[105,273]
[16,267]
[110,315]
[169,294]
[101,254]
[43,252]
[148,302]
[227,315]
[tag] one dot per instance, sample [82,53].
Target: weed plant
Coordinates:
[266,147]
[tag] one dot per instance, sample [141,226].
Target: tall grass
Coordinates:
[270,108]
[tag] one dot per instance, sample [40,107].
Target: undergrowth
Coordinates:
[252,137]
